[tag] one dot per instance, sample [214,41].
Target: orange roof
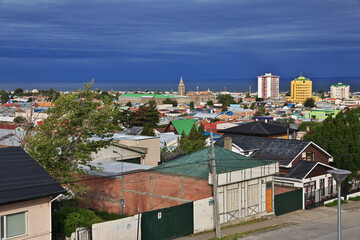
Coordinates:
[44,104]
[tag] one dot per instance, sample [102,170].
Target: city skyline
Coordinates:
[141,41]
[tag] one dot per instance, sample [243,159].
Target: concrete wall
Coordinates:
[153,149]
[203,215]
[122,229]
[38,217]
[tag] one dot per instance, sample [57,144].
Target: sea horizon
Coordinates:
[215,85]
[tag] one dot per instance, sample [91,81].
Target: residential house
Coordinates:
[262,129]
[27,192]
[245,185]
[137,149]
[301,163]
[180,126]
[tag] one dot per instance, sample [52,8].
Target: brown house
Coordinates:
[302,164]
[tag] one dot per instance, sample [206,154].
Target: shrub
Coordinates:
[357,198]
[334,203]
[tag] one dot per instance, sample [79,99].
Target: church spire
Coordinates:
[181,88]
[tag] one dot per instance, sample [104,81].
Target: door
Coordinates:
[269,197]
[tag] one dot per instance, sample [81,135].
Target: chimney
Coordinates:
[228,143]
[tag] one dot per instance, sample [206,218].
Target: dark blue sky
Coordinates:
[139,41]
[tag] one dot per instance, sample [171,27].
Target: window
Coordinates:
[308,156]
[13,225]
[322,187]
[233,200]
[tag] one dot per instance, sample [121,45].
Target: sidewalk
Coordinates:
[296,217]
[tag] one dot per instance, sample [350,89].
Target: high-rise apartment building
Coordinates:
[301,89]
[340,91]
[268,86]
[181,88]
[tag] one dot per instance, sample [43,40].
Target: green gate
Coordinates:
[288,202]
[168,223]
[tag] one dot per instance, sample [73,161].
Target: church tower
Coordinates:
[181,88]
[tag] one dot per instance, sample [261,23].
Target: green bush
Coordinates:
[67,220]
[334,203]
[357,198]
[80,218]
[109,216]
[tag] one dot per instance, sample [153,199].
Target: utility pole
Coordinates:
[214,182]
[215,190]
[122,200]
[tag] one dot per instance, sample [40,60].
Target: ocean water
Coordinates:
[231,85]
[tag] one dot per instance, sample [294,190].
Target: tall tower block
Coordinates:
[181,88]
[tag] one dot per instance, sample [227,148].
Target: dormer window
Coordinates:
[308,156]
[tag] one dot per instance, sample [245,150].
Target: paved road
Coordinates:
[318,229]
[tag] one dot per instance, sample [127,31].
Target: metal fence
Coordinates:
[317,197]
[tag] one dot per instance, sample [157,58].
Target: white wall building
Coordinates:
[268,86]
[340,91]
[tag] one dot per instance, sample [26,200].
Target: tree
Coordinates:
[210,103]
[19,119]
[122,116]
[246,106]
[288,94]
[309,102]
[146,115]
[192,105]
[262,110]
[66,138]
[225,99]
[128,104]
[259,99]
[252,106]
[4,96]
[195,141]
[30,99]
[171,101]
[18,91]
[147,131]
[340,136]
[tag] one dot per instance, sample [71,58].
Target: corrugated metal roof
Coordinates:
[258,129]
[22,178]
[283,150]
[197,164]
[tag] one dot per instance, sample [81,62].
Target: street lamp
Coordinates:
[214,181]
[339,175]
[122,200]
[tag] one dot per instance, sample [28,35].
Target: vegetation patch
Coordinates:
[334,203]
[67,220]
[357,198]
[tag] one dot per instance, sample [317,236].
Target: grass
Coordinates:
[242,234]
[334,203]
[357,198]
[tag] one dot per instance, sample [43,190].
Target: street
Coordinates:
[320,229]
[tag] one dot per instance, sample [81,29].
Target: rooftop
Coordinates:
[22,178]
[197,164]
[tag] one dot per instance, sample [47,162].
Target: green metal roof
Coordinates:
[340,85]
[302,79]
[184,125]
[136,95]
[139,95]
[197,164]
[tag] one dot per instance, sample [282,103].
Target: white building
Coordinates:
[340,91]
[268,86]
